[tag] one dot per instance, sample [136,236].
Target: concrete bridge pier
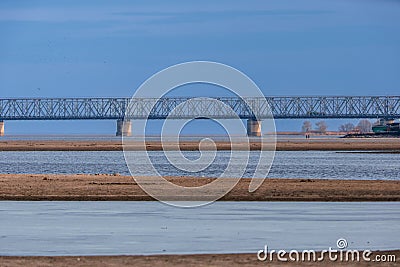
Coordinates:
[253,127]
[124,128]
[1,128]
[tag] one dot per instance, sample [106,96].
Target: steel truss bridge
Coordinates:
[307,107]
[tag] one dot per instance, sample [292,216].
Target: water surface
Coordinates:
[135,228]
[287,164]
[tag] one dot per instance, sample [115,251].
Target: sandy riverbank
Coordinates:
[110,187]
[282,145]
[248,259]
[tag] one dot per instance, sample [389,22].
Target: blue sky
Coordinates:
[108,48]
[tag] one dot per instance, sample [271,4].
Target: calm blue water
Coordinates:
[287,164]
[115,228]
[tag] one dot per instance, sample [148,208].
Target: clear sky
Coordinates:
[108,48]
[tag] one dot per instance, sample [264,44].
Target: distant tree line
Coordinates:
[321,127]
[363,126]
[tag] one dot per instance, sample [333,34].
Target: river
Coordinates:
[136,228]
[287,164]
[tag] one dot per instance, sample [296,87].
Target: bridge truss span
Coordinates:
[294,107]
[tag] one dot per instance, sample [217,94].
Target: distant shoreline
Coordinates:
[327,144]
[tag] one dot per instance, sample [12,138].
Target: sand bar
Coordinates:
[248,259]
[382,144]
[124,188]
